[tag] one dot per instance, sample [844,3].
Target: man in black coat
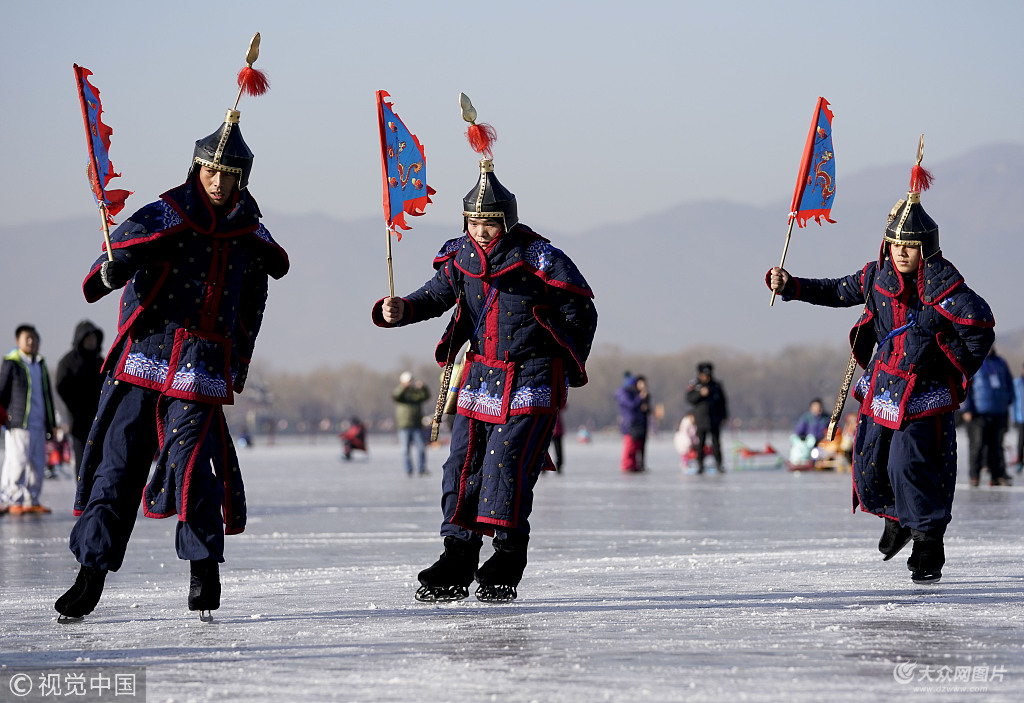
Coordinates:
[710,410]
[79,381]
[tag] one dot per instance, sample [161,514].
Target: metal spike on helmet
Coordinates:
[225,150]
[488,199]
[908,223]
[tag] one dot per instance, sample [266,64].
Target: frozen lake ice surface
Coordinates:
[660,586]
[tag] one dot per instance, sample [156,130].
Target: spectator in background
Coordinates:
[1018,418]
[813,423]
[409,397]
[633,410]
[685,439]
[353,438]
[986,412]
[710,409]
[26,399]
[79,381]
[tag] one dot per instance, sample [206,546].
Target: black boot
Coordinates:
[927,559]
[500,575]
[448,578]
[204,587]
[82,597]
[894,538]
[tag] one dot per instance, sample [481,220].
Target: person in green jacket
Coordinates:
[27,401]
[409,397]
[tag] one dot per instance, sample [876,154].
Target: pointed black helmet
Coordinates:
[488,199]
[225,150]
[908,223]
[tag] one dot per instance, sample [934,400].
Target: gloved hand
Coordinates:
[115,274]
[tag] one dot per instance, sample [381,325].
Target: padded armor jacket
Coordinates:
[527,312]
[929,333]
[191,311]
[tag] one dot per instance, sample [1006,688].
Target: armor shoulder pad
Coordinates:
[965,307]
[448,250]
[940,279]
[278,266]
[555,268]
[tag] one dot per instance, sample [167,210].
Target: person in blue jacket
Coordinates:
[813,423]
[986,412]
[529,318]
[1018,419]
[921,335]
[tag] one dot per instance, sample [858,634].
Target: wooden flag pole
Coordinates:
[784,250]
[106,231]
[391,271]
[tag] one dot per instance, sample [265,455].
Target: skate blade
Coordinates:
[206,616]
[926,579]
[426,594]
[67,619]
[496,594]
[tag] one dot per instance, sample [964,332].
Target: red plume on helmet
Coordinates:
[920,179]
[481,137]
[253,81]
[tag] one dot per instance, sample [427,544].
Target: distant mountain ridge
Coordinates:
[692,274]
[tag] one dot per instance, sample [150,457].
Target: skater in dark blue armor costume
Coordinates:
[529,318]
[194,266]
[922,335]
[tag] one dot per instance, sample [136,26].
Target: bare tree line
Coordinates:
[764,390]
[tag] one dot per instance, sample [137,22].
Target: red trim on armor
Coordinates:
[227,505]
[161,433]
[961,391]
[506,369]
[464,475]
[971,322]
[911,380]
[491,321]
[554,283]
[196,450]
[173,368]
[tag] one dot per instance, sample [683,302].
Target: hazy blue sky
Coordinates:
[604,110]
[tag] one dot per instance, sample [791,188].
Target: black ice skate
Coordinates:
[204,588]
[82,597]
[500,575]
[926,561]
[894,538]
[448,578]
